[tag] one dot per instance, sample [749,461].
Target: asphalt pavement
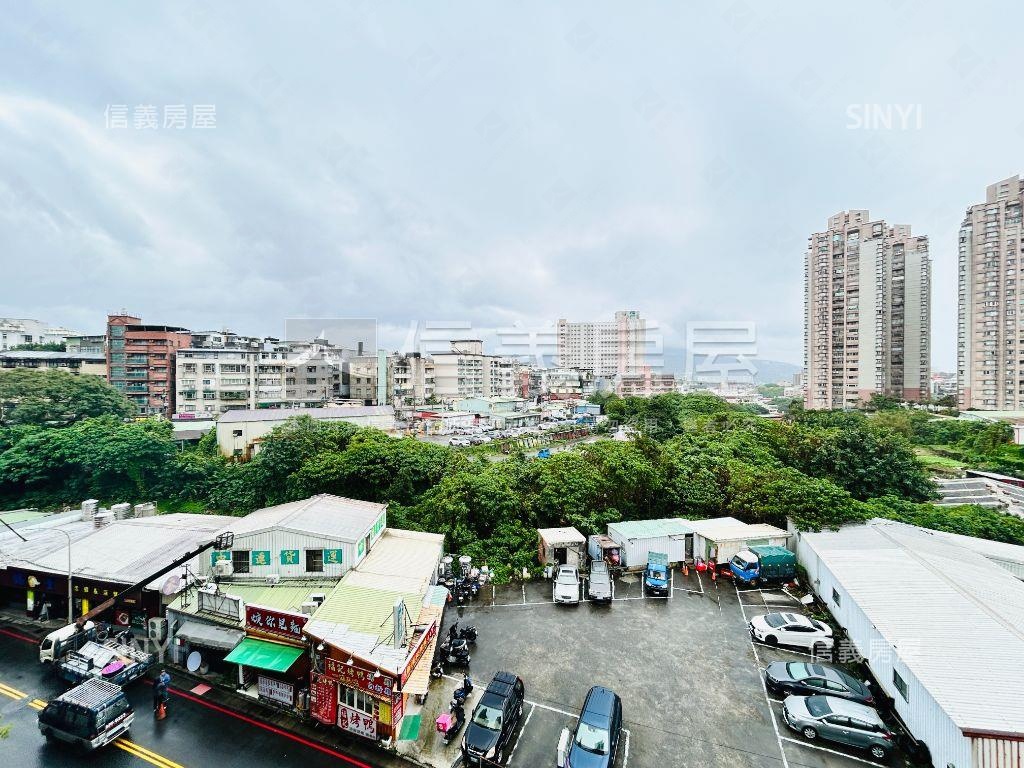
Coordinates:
[195,733]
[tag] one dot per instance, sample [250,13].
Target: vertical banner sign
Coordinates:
[323,699]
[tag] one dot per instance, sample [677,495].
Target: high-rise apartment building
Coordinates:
[609,348]
[141,360]
[395,379]
[990,334]
[867,312]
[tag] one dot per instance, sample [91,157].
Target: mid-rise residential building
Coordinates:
[253,373]
[16,332]
[567,383]
[867,312]
[645,384]
[466,371]
[90,363]
[141,361]
[94,344]
[990,334]
[608,348]
[395,379]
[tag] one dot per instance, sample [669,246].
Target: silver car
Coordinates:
[838,720]
[566,588]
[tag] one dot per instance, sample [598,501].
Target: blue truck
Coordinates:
[656,575]
[763,565]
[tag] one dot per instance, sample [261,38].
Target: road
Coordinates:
[195,733]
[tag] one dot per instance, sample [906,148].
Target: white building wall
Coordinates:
[275,541]
[926,720]
[635,551]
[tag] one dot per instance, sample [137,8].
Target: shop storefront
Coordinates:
[272,659]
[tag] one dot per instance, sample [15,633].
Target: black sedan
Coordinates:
[806,679]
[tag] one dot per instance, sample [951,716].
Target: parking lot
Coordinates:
[685,667]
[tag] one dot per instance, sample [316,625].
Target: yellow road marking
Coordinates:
[38,707]
[39,702]
[13,693]
[145,754]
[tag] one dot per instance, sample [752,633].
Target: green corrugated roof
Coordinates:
[21,516]
[366,609]
[285,596]
[262,654]
[635,529]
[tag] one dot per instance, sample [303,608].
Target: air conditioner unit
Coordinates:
[318,597]
[273,579]
[309,608]
[223,568]
[158,630]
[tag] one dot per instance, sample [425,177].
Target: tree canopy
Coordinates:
[56,398]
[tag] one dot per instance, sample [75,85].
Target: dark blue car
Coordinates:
[595,741]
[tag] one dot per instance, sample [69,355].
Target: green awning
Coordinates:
[264,655]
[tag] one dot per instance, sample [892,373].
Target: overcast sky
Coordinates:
[496,163]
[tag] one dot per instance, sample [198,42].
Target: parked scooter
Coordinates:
[437,671]
[461,694]
[450,723]
[469,634]
[455,652]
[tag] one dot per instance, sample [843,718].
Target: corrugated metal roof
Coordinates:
[731,529]
[956,619]
[324,515]
[638,529]
[126,551]
[403,561]
[359,620]
[561,536]
[321,414]
[287,595]
[42,538]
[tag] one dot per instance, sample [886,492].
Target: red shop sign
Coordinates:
[418,651]
[271,622]
[323,699]
[352,676]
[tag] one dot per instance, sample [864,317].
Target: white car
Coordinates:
[791,629]
[566,588]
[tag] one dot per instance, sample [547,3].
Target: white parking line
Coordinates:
[764,688]
[551,709]
[625,754]
[520,736]
[826,749]
[524,594]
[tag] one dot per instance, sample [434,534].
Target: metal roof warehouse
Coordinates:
[940,626]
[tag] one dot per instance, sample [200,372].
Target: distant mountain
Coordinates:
[767,371]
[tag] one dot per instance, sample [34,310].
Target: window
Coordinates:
[350,697]
[236,433]
[901,686]
[240,560]
[835,597]
[314,560]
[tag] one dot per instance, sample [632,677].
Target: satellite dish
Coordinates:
[171,585]
[194,661]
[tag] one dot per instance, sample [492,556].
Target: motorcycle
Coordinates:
[469,634]
[455,652]
[450,723]
[461,694]
[437,671]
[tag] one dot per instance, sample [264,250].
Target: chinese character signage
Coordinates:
[353,721]
[259,557]
[361,679]
[271,622]
[377,527]
[219,554]
[333,556]
[362,547]
[275,690]
[323,699]
[418,651]
[289,557]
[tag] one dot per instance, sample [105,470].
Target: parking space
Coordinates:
[685,667]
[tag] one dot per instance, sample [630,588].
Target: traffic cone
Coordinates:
[714,574]
[161,711]
[686,570]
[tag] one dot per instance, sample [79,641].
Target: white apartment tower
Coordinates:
[990,334]
[867,312]
[609,349]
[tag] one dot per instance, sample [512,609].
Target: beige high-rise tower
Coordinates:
[867,312]
[990,335]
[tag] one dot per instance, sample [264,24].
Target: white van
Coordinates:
[60,641]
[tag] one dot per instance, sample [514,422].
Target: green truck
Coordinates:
[763,564]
